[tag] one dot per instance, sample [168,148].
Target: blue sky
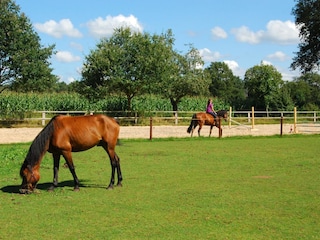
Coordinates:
[241,33]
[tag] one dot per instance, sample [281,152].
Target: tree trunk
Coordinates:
[129,100]
[174,104]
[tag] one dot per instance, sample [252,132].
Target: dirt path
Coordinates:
[18,135]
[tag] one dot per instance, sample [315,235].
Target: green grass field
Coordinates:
[193,188]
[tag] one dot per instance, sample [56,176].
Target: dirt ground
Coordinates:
[19,135]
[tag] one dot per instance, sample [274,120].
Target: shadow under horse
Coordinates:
[64,135]
[203,118]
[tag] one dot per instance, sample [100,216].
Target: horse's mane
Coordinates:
[38,146]
[221,112]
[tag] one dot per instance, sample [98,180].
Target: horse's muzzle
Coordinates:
[27,188]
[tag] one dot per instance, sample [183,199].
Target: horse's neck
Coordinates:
[36,154]
[220,114]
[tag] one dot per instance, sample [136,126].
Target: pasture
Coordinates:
[187,188]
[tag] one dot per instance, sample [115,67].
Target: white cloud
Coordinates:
[234,66]
[278,56]
[58,29]
[244,34]
[71,79]
[289,75]
[65,79]
[276,32]
[104,27]
[265,62]
[282,32]
[218,33]
[208,56]
[65,56]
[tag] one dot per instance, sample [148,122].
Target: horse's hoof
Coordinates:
[23,191]
[76,189]
[119,185]
[110,187]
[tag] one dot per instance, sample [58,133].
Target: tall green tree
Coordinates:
[307,18]
[225,85]
[263,85]
[24,63]
[183,77]
[305,91]
[128,62]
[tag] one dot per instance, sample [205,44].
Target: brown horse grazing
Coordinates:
[203,118]
[65,134]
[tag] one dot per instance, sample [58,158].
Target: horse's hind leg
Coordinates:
[200,126]
[118,171]
[115,165]
[194,126]
[210,130]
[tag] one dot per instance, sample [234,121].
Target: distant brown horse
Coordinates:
[203,118]
[65,134]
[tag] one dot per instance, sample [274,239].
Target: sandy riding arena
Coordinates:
[19,135]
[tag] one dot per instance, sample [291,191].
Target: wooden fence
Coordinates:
[244,118]
[248,121]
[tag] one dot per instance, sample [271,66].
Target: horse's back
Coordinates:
[98,120]
[80,133]
[204,116]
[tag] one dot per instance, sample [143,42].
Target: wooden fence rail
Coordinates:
[246,118]
[176,116]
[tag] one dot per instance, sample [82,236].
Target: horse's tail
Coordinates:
[192,124]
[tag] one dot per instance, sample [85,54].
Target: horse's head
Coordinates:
[223,114]
[30,177]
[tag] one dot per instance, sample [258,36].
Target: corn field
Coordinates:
[20,105]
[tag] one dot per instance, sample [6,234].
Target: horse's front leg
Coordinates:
[56,163]
[68,157]
[220,132]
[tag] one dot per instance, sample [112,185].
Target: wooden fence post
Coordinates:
[252,117]
[176,117]
[281,126]
[43,121]
[220,130]
[295,120]
[135,117]
[150,137]
[230,116]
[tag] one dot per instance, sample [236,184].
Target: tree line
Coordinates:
[132,64]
